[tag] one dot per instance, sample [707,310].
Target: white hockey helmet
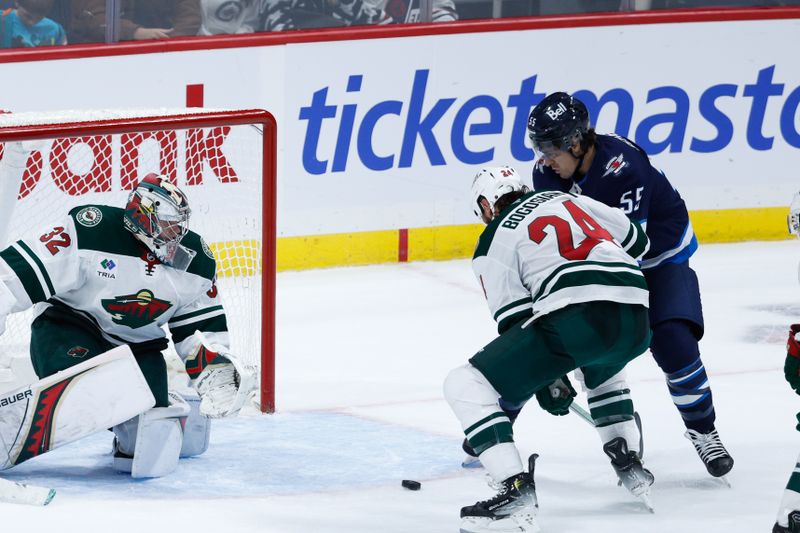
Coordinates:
[492,183]
[157,213]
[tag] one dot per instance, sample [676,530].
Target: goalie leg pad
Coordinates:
[157,437]
[196,428]
[69,405]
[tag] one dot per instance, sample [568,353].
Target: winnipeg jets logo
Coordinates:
[615,166]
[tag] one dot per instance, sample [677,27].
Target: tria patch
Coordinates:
[136,310]
[89,216]
[615,166]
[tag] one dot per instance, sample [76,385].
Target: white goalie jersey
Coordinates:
[93,265]
[552,249]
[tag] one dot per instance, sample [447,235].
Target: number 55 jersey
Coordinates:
[93,265]
[551,249]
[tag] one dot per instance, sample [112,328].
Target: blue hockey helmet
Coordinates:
[556,123]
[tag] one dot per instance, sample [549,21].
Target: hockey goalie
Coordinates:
[107,283]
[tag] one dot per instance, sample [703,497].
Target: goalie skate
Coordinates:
[630,470]
[512,510]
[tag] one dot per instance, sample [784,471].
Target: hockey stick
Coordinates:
[12,492]
[582,413]
[585,416]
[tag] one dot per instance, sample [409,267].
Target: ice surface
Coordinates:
[362,353]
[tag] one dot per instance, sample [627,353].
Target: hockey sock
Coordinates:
[791,497]
[611,407]
[691,394]
[475,402]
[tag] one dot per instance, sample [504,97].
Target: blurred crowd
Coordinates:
[30,23]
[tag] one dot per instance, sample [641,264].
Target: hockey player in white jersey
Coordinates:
[561,278]
[109,277]
[788,520]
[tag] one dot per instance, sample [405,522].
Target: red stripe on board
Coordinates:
[402,245]
[195,95]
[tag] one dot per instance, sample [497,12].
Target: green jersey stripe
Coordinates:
[516,303]
[510,320]
[194,314]
[215,324]
[25,273]
[638,245]
[629,237]
[596,277]
[42,269]
[598,265]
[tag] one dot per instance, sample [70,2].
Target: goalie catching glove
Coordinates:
[221,380]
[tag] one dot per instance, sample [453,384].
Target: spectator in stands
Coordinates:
[27,26]
[139,19]
[279,15]
[229,16]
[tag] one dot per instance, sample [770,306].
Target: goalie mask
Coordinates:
[492,183]
[157,213]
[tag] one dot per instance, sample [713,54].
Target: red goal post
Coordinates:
[225,160]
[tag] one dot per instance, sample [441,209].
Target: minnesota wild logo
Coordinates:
[136,310]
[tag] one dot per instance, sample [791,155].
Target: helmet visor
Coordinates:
[547,148]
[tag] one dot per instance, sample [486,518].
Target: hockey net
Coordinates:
[223,160]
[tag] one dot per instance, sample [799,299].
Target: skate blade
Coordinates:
[724,481]
[645,499]
[471,462]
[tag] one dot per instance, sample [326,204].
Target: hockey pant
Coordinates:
[60,339]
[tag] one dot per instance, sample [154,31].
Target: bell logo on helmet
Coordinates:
[555,112]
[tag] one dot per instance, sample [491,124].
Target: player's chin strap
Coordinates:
[577,175]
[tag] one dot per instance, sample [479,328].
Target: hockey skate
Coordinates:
[512,510]
[709,447]
[630,470]
[794,524]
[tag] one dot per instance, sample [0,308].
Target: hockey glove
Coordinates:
[557,397]
[221,380]
[791,368]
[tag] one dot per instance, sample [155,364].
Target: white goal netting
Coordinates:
[216,157]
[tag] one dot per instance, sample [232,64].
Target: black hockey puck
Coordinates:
[410,484]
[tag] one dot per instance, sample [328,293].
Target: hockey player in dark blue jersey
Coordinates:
[617,172]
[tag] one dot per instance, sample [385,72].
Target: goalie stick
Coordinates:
[13,492]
